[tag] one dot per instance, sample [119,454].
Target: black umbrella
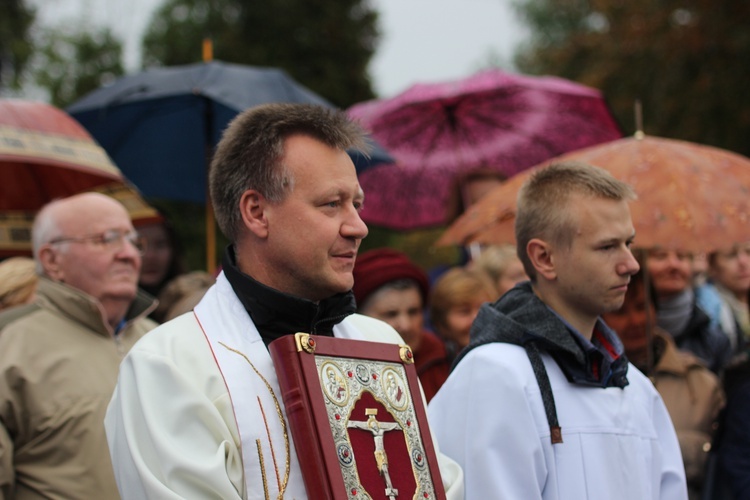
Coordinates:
[160,126]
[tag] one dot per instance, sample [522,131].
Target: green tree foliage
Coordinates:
[72,64]
[324,44]
[688,61]
[16,46]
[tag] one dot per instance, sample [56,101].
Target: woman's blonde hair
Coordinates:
[18,280]
[494,260]
[455,287]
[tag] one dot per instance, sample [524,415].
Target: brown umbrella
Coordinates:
[690,196]
[45,154]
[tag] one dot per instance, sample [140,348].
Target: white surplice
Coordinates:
[187,387]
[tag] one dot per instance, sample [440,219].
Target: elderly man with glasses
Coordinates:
[59,356]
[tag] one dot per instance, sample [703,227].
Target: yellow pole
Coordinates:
[208,50]
[208,56]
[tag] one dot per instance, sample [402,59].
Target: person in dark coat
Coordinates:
[733,443]
[678,313]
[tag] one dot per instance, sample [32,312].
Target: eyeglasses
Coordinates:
[112,240]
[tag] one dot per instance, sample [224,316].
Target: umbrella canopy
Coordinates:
[45,154]
[690,196]
[161,125]
[491,120]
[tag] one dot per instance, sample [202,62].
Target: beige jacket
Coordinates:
[694,398]
[58,368]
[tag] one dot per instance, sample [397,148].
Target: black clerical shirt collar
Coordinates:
[276,313]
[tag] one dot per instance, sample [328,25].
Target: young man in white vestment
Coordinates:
[543,404]
[197,412]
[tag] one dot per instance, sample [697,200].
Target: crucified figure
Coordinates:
[378,429]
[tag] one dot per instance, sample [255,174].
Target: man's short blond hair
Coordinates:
[543,201]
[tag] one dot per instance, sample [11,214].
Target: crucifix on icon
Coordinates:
[378,429]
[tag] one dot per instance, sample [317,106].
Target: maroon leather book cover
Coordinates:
[357,419]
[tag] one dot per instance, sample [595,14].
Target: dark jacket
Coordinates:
[705,340]
[733,443]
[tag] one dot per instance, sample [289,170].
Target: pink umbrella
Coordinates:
[492,120]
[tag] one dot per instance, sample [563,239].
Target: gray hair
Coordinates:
[46,228]
[249,153]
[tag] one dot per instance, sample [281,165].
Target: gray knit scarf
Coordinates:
[674,312]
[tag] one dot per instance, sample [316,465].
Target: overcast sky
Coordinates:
[421,40]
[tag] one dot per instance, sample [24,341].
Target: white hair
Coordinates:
[45,229]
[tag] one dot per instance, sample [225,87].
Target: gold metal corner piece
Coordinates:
[406,355]
[305,342]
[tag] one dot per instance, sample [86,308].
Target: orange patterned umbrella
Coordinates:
[690,196]
[46,154]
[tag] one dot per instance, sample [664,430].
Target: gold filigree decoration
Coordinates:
[270,443]
[287,467]
[262,469]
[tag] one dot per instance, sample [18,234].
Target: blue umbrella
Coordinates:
[161,125]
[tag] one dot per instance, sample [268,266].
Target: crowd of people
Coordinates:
[567,366]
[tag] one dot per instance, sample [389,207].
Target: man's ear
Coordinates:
[50,261]
[253,207]
[540,255]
